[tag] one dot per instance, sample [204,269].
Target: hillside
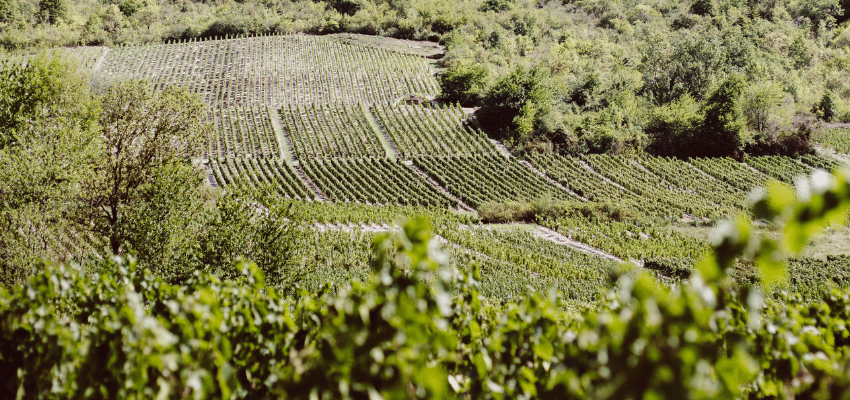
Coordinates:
[557,77]
[328,119]
[554,201]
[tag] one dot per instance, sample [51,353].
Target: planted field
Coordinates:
[630,240]
[628,173]
[837,139]
[260,171]
[573,174]
[515,259]
[691,180]
[86,57]
[431,130]
[276,70]
[243,132]
[479,179]
[736,174]
[373,181]
[781,168]
[825,163]
[321,131]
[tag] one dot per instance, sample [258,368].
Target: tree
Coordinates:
[673,127]
[164,220]
[761,104]
[513,105]
[144,132]
[704,7]
[827,108]
[52,10]
[686,64]
[7,11]
[48,141]
[245,224]
[463,83]
[41,96]
[723,127]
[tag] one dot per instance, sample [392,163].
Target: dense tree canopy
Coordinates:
[48,146]
[144,133]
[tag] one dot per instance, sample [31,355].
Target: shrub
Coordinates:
[762,104]
[704,7]
[543,208]
[513,105]
[791,144]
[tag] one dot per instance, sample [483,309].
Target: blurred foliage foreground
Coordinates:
[420,328]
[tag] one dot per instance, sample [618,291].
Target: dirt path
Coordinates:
[210,176]
[501,148]
[379,130]
[555,237]
[828,152]
[544,233]
[349,227]
[99,62]
[282,141]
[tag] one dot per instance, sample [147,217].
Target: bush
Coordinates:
[129,7]
[502,212]
[767,107]
[7,11]
[348,7]
[704,7]
[513,105]
[496,5]
[791,144]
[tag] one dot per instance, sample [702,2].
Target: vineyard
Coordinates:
[784,169]
[363,202]
[275,70]
[376,181]
[260,171]
[321,131]
[245,132]
[430,131]
[326,118]
[327,123]
[479,179]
